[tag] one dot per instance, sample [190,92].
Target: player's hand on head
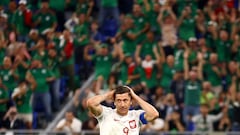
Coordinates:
[110,94]
[131,91]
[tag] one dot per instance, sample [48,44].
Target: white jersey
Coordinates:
[76,125]
[111,123]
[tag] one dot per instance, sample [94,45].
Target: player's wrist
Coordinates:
[105,96]
[108,95]
[134,96]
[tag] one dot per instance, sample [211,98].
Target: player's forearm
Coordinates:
[94,103]
[151,112]
[96,100]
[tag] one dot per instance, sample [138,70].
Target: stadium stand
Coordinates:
[182,56]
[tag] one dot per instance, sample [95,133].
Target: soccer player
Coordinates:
[121,121]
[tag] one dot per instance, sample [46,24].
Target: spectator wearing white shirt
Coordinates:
[69,124]
[204,121]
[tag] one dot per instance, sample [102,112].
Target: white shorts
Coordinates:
[26,117]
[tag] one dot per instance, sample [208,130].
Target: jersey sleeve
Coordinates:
[140,115]
[106,111]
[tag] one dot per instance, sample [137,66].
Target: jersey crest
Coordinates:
[132,124]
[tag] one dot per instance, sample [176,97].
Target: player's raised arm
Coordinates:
[150,112]
[93,103]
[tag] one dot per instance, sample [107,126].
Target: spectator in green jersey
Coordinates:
[193,78]
[22,96]
[8,74]
[22,20]
[45,19]
[66,46]
[53,64]
[41,94]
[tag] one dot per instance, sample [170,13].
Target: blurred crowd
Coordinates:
[182,56]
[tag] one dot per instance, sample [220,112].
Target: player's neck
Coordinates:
[121,114]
